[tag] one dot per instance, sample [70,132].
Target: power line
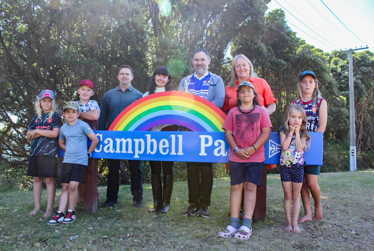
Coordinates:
[310,24]
[327,20]
[301,30]
[342,22]
[290,38]
[279,30]
[308,27]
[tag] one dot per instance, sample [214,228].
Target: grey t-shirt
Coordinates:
[75,137]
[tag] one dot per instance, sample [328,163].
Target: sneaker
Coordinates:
[203,212]
[192,210]
[59,217]
[137,203]
[70,217]
[109,203]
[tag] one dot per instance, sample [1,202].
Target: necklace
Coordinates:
[240,110]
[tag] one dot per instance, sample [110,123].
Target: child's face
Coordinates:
[71,115]
[46,104]
[295,118]
[161,80]
[85,92]
[308,84]
[246,94]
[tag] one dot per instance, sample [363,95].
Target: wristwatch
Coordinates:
[237,148]
[89,154]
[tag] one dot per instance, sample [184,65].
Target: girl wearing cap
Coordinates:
[247,127]
[315,107]
[43,131]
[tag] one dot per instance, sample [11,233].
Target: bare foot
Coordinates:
[34,212]
[296,229]
[305,218]
[318,215]
[288,228]
[48,214]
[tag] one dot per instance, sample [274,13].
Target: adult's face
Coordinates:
[200,63]
[125,77]
[242,69]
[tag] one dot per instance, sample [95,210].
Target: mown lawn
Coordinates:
[348,223]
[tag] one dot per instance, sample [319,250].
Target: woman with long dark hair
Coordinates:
[161,82]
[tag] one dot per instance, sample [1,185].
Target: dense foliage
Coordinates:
[55,44]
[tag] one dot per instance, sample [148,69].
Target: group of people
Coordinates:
[248,102]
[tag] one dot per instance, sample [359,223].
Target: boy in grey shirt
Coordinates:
[73,139]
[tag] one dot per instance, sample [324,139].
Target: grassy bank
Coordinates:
[348,221]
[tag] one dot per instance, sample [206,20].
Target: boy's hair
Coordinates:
[234,77]
[126,66]
[255,100]
[316,93]
[163,70]
[38,108]
[303,131]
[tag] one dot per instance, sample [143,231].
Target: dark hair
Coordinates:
[202,50]
[163,70]
[126,66]
[255,100]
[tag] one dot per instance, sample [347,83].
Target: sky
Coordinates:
[325,30]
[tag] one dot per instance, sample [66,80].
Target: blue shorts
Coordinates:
[315,170]
[73,172]
[251,172]
[292,174]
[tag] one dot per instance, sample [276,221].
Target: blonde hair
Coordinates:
[304,133]
[39,111]
[234,77]
[316,93]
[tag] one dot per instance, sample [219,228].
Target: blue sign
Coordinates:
[312,156]
[208,147]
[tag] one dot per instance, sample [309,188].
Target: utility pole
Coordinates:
[352,122]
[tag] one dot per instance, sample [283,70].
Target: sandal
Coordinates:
[229,232]
[243,233]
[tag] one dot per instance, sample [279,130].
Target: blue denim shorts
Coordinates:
[250,171]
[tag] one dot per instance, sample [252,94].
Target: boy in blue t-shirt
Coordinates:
[73,139]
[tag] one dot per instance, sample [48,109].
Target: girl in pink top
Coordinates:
[247,127]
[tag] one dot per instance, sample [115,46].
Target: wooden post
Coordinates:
[260,209]
[90,194]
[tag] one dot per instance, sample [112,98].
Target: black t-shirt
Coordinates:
[43,145]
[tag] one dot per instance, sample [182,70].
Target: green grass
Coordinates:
[348,221]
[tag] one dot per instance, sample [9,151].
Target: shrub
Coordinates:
[14,177]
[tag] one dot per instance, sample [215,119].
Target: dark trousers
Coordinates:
[200,183]
[113,180]
[156,166]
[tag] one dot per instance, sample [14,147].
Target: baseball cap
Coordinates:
[87,82]
[246,83]
[72,105]
[47,94]
[305,73]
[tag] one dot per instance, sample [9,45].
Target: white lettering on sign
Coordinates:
[205,141]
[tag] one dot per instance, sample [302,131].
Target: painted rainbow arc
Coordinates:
[170,107]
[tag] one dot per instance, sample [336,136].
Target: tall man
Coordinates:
[114,102]
[200,175]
